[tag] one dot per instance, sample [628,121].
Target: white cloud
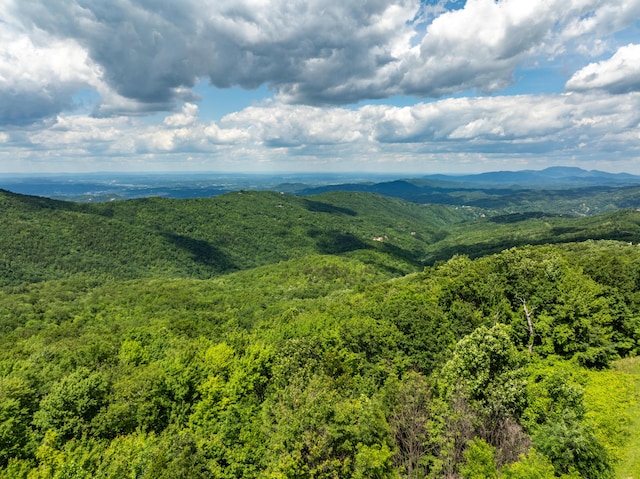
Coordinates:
[481,45]
[289,125]
[186,117]
[84,135]
[478,47]
[144,57]
[488,120]
[79,135]
[40,74]
[618,74]
[561,126]
[130,58]
[597,17]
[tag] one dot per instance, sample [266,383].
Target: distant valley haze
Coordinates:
[433,188]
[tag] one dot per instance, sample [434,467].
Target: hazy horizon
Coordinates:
[290,172]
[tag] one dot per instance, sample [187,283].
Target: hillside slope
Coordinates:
[47,239]
[258,335]
[201,238]
[319,367]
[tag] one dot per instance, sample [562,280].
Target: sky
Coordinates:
[406,86]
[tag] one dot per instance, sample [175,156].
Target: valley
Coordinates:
[261,333]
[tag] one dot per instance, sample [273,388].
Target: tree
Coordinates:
[480,461]
[487,370]
[533,465]
[72,403]
[412,420]
[572,446]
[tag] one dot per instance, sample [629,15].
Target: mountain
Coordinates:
[347,334]
[553,177]
[443,189]
[201,238]
[45,239]
[99,187]
[557,190]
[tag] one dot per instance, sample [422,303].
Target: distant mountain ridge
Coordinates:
[556,190]
[562,190]
[552,176]
[436,188]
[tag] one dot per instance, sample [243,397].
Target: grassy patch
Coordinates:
[629,465]
[612,399]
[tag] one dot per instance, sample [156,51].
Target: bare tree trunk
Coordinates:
[528,314]
[408,422]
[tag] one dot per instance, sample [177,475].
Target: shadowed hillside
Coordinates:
[45,239]
[200,238]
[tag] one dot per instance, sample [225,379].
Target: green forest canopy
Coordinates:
[266,335]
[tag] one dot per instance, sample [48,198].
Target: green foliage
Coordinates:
[556,390]
[480,461]
[155,360]
[315,431]
[609,397]
[557,421]
[627,450]
[17,405]
[532,466]
[572,446]
[72,404]
[487,368]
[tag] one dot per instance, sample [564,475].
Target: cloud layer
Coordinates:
[147,55]
[85,77]
[590,126]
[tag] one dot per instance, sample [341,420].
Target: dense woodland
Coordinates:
[262,335]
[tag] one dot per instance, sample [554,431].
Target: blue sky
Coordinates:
[319,85]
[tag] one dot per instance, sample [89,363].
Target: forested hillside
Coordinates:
[259,335]
[200,238]
[572,198]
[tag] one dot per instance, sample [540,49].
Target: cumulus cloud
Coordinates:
[481,45]
[80,135]
[144,56]
[477,47]
[593,125]
[596,18]
[280,125]
[153,52]
[186,117]
[39,75]
[618,74]
[85,136]
[138,57]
